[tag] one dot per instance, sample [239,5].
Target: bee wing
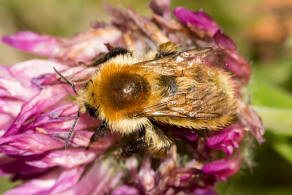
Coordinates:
[198,96]
[176,63]
[197,104]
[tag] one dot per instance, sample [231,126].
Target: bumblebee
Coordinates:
[130,95]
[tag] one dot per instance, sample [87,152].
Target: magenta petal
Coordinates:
[227,139]
[100,178]
[222,169]
[33,43]
[197,19]
[66,180]
[224,41]
[27,144]
[10,86]
[65,158]
[52,183]
[37,104]
[19,167]
[125,190]
[34,68]
[251,120]
[36,186]
[10,106]
[238,65]
[5,122]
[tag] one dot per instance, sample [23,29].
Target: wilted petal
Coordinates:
[86,46]
[161,7]
[222,169]
[33,43]
[251,120]
[238,66]
[27,144]
[227,139]
[197,19]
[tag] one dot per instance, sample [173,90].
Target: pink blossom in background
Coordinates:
[37,111]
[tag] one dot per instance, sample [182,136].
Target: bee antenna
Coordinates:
[71,130]
[65,79]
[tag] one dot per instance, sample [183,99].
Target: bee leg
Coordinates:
[113,52]
[158,142]
[138,146]
[100,132]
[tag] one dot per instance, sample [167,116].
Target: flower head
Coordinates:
[37,112]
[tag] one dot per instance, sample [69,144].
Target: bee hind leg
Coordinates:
[100,132]
[158,142]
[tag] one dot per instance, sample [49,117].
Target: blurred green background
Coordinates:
[262,30]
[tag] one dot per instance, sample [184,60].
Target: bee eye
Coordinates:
[91,110]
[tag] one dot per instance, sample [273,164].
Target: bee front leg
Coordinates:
[100,132]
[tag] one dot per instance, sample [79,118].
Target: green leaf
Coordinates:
[276,120]
[284,148]
[264,94]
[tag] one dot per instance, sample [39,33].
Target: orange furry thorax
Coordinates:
[119,91]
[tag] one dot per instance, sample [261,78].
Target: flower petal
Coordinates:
[251,120]
[27,144]
[99,179]
[197,19]
[37,104]
[65,158]
[52,183]
[222,169]
[203,191]
[33,43]
[86,46]
[160,7]
[227,139]
[19,167]
[125,190]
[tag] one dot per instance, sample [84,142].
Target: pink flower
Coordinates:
[36,112]
[227,139]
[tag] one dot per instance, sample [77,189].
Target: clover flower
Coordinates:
[37,112]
